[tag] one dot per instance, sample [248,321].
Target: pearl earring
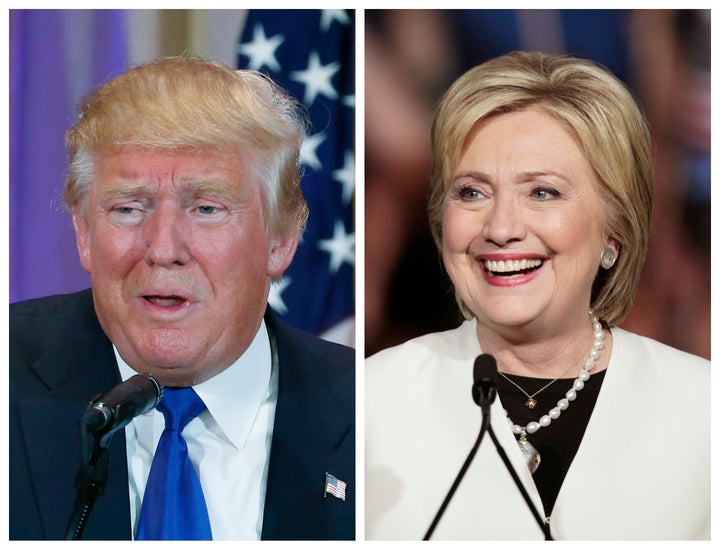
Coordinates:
[608,258]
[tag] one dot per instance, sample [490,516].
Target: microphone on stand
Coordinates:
[484,389]
[119,406]
[484,392]
[102,418]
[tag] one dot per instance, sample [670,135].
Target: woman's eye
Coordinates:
[545,193]
[469,194]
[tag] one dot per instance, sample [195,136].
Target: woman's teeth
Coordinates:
[511,267]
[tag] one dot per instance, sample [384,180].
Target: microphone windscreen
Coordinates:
[485,370]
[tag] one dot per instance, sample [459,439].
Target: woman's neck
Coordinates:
[534,352]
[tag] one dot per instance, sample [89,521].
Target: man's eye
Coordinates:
[207,209]
[127,214]
[125,209]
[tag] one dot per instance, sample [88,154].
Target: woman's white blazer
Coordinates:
[642,471]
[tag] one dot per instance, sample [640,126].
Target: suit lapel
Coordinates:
[312,435]
[80,367]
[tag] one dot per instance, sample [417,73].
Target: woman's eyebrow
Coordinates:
[525,176]
[534,174]
[474,175]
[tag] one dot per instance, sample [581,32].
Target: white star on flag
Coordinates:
[275,297]
[328,16]
[346,177]
[317,78]
[261,51]
[308,151]
[341,247]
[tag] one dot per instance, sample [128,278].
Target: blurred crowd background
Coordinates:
[412,56]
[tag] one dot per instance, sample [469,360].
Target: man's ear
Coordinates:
[282,252]
[82,235]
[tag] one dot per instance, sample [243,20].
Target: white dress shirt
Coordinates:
[229,443]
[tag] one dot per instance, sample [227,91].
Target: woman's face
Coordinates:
[523,223]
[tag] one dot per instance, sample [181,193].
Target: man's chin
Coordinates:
[180,375]
[171,363]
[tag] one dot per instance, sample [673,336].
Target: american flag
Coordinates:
[311,53]
[335,486]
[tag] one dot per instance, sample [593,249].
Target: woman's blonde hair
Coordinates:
[179,103]
[599,111]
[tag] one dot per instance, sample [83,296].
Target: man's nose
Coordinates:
[166,237]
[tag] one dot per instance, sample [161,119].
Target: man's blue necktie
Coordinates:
[173,506]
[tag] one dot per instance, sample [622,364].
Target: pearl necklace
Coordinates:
[531,454]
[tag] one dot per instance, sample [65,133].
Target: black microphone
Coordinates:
[485,374]
[124,402]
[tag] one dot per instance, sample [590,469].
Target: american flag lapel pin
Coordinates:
[334,486]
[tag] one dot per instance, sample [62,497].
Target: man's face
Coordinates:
[180,258]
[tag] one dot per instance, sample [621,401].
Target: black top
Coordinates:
[557,443]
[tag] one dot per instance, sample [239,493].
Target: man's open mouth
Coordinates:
[166,301]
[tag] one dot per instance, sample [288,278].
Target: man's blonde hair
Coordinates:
[190,103]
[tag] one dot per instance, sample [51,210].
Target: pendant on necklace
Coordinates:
[530,403]
[530,453]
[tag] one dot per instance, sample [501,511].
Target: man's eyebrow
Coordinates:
[208,186]
[125,190]
[195,186]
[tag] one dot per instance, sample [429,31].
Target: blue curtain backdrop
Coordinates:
[55,57]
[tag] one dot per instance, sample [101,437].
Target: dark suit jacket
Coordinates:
[60,359]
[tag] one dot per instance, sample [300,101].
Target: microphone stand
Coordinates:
[103,417]
[461,474]
[90,481]
[542,524]
[485,399]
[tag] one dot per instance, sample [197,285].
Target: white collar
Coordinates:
[233,397]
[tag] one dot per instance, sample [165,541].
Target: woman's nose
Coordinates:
[504,223]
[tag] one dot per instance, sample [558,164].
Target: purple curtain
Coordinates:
[56,56]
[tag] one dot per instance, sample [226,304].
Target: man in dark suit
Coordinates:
[184,190]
